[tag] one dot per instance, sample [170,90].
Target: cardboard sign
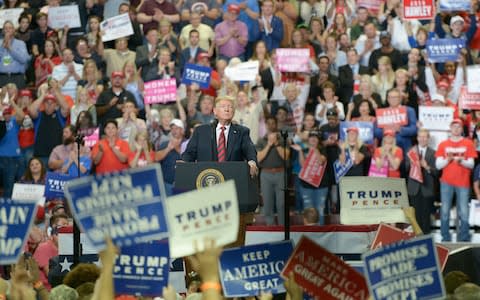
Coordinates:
[365,130]
[15,221]
[342,169]
[126,206]
[116,27]
[200,75]
[374,201]
[415,172]
[142,269]
[209,212]
[435,118]
[61,16]
[313,169]
[473,79]
[11,14]
[55,184]
[467,100]
[160,91]
[405,270]
[246,71]
[29,192]
[249,270]
[455,5]
[387,117]
[323,274]
[293,60]
[443,50]
[92,138]
[418,9]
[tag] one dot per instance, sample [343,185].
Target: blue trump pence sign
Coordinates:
[405,270]
[127,206]
[248,270]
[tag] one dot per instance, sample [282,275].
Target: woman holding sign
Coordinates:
[388,156]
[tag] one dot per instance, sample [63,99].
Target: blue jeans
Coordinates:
[8,169]
[315,198]
[463,195]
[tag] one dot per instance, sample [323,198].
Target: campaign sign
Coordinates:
[246,71]
[342,169]
[293,60]
[442,50]
[467,100]
[473,79]
[405,270]
[142,269]
[313,169]
[116,27]
[92,138]
[210,212]
[418,9]
[55,184]
[15,220]
[372,5]
[249,270]
[61,16]
[200,75]
[435,118]
[29,192]
[11,14]
[125,206]
[455,5]
[376,200]
[160,91]
[365,130]
[323,274]
[387,117]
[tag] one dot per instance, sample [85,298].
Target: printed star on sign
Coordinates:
[65,265]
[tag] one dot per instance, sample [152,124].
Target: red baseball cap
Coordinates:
[443,84]
[202,55]
[49,97]
[389,132]
[233,8]
[457,121]
[8,110]
[354,129]
[26,93]
[118,74]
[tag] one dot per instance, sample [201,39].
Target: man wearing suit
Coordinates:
[189,54]
[271,27]
[348,74]
[146,53]
[421,194]
[222,140]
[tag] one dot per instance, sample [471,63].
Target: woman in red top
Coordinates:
[389,152]
[110,154]
[45,62]
[143,155]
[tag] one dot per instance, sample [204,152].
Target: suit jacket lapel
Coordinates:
[232,138]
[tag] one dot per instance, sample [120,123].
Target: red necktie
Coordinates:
[221,145]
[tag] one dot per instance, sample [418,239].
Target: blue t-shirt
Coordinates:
[9,146]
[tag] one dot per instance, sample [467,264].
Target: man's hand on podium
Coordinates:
[253,168]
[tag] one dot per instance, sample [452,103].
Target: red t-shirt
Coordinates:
[142,161]
[210,90]
[42,255]
[454,173]
[109,162]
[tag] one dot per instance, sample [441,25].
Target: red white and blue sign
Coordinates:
[249,270]
[15,221]
[127,206]
[197,74]
[55,184]
[405,270]
[365,130]
[443,50]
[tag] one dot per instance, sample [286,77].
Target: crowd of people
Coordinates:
[58,86]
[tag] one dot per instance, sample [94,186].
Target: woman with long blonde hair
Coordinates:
[356,150]
[92,79]
[134,84]
[385,77]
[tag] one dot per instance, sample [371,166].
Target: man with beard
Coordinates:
[64,157]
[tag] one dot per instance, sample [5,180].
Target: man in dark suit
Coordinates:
[421,194]
[348,74]
[222,140]
[189,54]
[146,53]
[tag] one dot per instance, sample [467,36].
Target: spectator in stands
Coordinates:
[310,10]
[168,38]
[152,12]
[231,35]
[386,49]
[35,173]
[129,125]
[146,53]
[83,53]
[39,35]
[248,114]
[136,39]
[82,102]
[110,154]
[406,86]
[271,156]
[205,115]
[94,38]
[422,194]
[349,74]
[15,57]
[116,58]
[208,11]
[26,136]
[363,19]
[134,84]
[162,67]
[328,101]
[397,27]
[205,31]
[110,102]
[24,32]
[288,13]
[189,54]
[457,24]
[447,86]
[92,80]
[9,146]
[384,78]
[215,80]
[367,43]
[294,101]
[48,123]
[68,73]
[365,93]
[310,215]
[158,125]
[357,151]
[455,157]
[169,152]
[324,75]
[141,154]
[389,154]
[45,62]
[271,27]
[315,36]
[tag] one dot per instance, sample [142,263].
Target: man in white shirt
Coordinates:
[68,74]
